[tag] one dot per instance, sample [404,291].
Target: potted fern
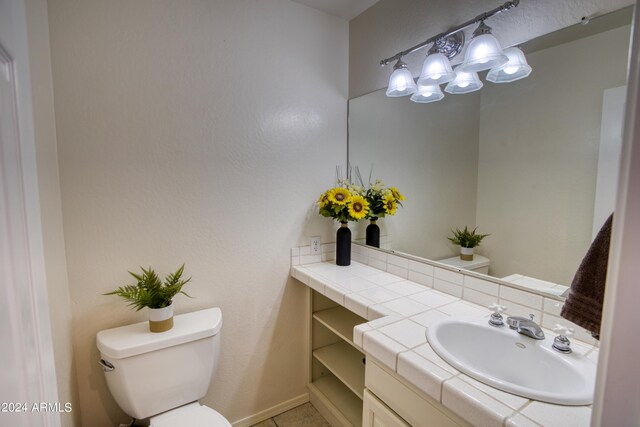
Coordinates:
[150,292]
[467,240]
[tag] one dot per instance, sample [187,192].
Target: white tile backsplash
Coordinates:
[514,309]
[521,297]
[480,285]
[448,275]
[447,287]
[420,267]
[423,279]
[550,321]
[376,263]
[552,306]
[398,261]
[398,271]
[479,298]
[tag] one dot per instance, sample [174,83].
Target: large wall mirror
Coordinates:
[533,162]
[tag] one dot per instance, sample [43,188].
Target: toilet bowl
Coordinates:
[162,376]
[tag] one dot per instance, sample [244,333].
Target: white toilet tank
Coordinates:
[156,372]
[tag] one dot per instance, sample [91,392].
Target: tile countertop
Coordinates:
[399,312]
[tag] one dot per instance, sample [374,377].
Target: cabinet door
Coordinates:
[377,414]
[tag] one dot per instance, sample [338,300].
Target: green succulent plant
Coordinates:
[150,292]
[466,238]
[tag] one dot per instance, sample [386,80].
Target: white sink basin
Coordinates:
[512,362]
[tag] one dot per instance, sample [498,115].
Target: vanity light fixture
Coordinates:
[436,69]
[465,82]
[401,81]
[484,51]
[427,93]
[515,69]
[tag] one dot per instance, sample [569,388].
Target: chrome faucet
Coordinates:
[526,326]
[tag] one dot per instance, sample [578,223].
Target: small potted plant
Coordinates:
[151,292]
[467,240]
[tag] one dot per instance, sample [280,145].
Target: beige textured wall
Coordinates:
[537,169]
[428,151]
[50,207]
[198,132]
[391,26]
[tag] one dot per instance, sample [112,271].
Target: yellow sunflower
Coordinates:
[396,194]
[339,196]
[358,207]
[323,200]
[390,205]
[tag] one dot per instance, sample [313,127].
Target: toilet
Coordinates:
[162,376]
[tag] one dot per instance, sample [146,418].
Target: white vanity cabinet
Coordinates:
[391,402]
[377,414]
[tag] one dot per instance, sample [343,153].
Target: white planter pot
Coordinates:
[466,254]
[161,319]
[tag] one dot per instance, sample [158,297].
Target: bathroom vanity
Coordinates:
[370,363]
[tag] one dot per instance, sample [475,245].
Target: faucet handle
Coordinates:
[561,343]
[563,330]
[496,317]
[497,308]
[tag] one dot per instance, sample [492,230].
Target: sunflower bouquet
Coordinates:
[382,201]
[344,203]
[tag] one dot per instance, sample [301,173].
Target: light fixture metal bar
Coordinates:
[503,8]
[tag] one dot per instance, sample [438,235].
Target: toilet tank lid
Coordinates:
[132,340]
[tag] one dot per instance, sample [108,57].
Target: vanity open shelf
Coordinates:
[346,363]
[340,321]
[337,368]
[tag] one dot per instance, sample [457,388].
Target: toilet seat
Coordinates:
[192,415]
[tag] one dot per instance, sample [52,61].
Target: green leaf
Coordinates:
[150,291]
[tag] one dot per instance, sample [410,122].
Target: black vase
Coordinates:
[373,234]
[343,245]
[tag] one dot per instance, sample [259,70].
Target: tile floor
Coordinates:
[301,416]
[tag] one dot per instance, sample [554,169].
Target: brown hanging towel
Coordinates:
[584,302]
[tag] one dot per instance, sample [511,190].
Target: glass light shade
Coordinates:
[483,52]
[464,83]
[426,94]
[401,81]
[436,70]
[515,69]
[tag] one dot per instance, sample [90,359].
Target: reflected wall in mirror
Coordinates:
[532,162]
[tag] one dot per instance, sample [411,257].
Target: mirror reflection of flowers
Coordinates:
[382,200]
[345,202]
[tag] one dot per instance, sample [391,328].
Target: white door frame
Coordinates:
[30,365]
[617,398]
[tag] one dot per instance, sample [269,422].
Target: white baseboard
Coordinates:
[272,412]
